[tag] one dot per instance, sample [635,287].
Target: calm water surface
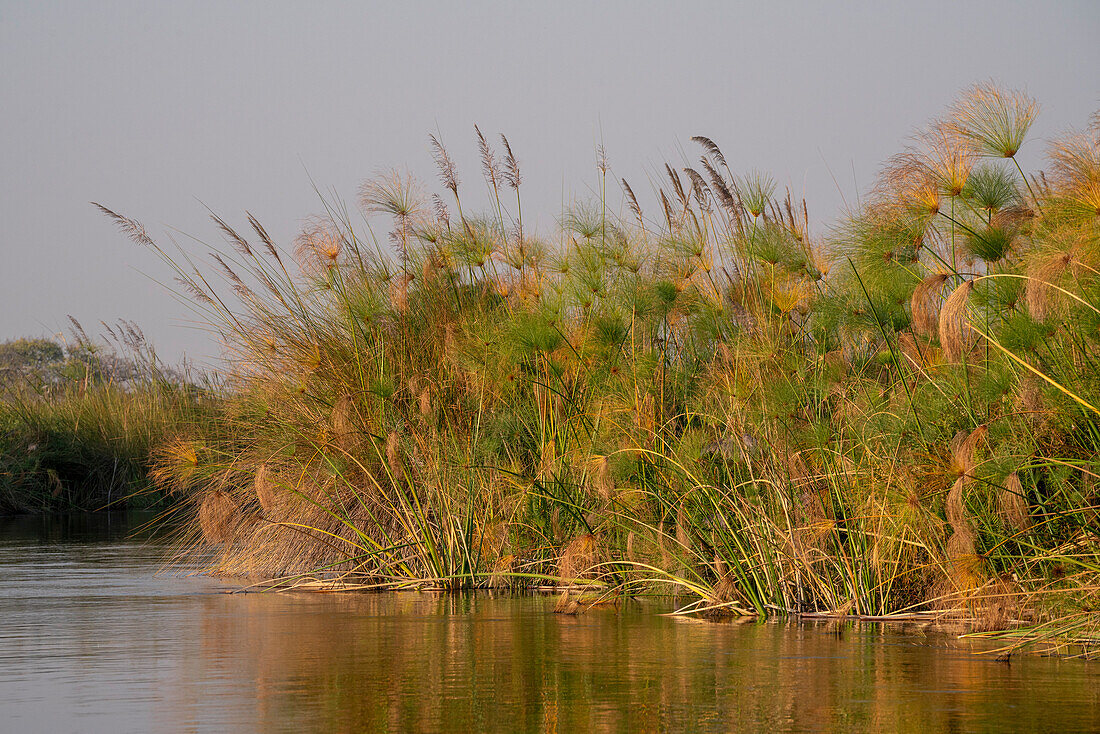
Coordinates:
[92,638]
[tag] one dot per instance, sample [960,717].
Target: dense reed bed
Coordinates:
[79,423]
[897,417]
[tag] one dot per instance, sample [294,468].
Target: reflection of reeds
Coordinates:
[475,662]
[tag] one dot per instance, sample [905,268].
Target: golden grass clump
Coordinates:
[265,487]
[395,458]
[1040,279]
[924,303]
[963,447]
[218,516]
[956,337]
[1012,504]
[578,558]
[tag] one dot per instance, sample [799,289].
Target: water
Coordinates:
[93,639]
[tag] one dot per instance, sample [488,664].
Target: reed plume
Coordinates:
[511,165]
[132,228]
[447,174]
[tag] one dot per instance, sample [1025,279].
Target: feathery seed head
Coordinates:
[756,189]
[578,557]
[265,488]
[511,165]
[446,166]
[130,227]
[394,458]
[394,193]
[949,160]
[994,122]
[712,149]
[488,160]
[218,516]
[1040,279]
[1075,168]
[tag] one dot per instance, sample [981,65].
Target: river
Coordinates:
[94,637]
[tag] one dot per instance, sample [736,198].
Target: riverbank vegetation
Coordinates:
[705,397]
[79,422]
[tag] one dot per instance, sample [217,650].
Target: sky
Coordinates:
[167,111]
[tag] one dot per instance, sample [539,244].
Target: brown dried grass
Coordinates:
[578,558]
[399,294]
[956,338]
[954,506]
[919,352]
[683,532]
[1012,504]
[394,456]
[603,482]
[1000,603]
[264,485]
[343,420]
[218,516]
[963,448]
[1040,278]
[924,303]
[965,567]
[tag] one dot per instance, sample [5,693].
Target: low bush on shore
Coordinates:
[707,398]
[78,425]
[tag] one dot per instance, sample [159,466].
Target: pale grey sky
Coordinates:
[156,108]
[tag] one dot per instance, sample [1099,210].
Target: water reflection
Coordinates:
[93,641]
